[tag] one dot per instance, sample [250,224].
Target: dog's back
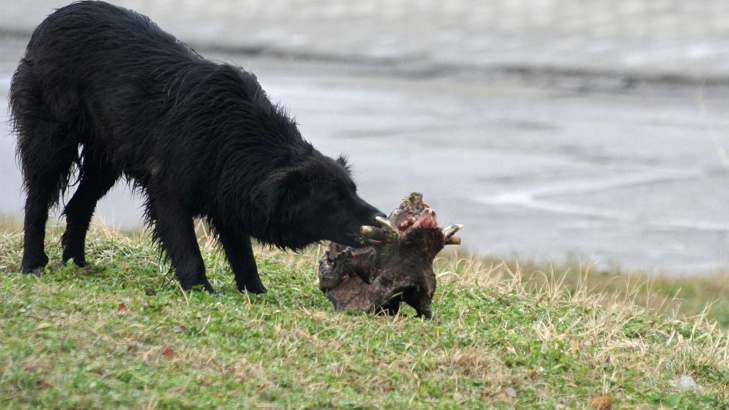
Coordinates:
[111,80]
[91,50]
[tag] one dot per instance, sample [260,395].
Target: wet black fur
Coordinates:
[105,90]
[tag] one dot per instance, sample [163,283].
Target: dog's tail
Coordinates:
[45,150]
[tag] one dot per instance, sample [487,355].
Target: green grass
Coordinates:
[123,334]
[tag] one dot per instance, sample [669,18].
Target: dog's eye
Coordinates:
[338,198]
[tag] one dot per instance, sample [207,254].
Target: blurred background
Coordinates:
[673,37]
[588,130]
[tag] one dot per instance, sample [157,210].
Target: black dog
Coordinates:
[106,91]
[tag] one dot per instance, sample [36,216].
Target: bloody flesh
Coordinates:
[396,266]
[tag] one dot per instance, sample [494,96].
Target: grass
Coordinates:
[668,295]
[123,334]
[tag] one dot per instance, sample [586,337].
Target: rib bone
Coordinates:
[453,240]
[387,225]
[451,230]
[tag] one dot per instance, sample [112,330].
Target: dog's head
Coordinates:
[315,200]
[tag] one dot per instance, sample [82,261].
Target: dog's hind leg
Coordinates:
[46,152]
[97,177]
[175,231]
[239,252]
[46,158]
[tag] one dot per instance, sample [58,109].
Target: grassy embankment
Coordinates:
[123,334]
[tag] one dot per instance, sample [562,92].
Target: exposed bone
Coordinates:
[453,240]
[387,225]
[451,230]
[367,230]
[373,233]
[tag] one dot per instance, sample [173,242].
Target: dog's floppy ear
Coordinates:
[294,185]
[287,186]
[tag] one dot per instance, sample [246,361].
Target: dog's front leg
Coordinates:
[175,231]
[240,256]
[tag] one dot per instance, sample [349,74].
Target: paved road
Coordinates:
[633,178]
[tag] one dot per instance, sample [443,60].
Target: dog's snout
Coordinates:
[373,217]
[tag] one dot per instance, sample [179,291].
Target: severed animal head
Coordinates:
[395,266]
